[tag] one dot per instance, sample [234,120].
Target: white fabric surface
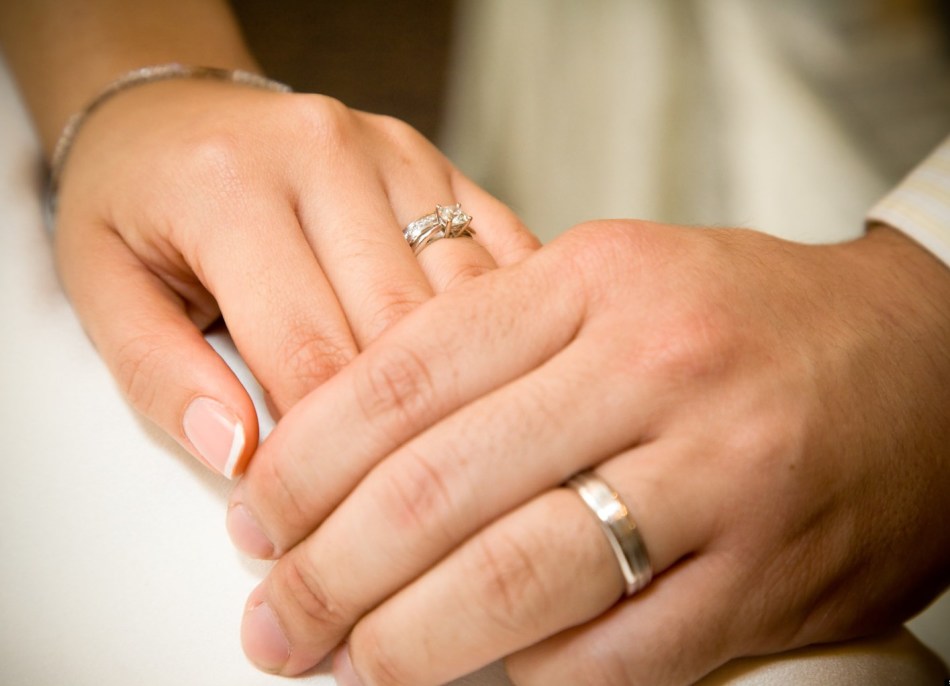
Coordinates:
[613,108]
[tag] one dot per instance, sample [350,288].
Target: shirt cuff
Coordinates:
[920,205]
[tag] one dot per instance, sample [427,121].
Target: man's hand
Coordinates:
[774,415]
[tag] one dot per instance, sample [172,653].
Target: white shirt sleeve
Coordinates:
[920,205]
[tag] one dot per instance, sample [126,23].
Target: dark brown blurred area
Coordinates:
[387,57]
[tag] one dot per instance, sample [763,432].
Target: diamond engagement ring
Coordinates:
[448,221]
[617,524]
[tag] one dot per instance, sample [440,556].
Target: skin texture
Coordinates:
[773,414]
[281,213]
[64,52]
[188,200]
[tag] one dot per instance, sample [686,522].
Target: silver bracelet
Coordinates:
[138,77]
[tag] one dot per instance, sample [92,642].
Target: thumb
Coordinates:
[156,353]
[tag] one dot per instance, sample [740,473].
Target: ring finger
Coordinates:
[542,569]
[417,178]
[354,216]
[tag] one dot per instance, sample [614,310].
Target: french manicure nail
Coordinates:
[263,640]
[216,434]
[247,534]
[343,670]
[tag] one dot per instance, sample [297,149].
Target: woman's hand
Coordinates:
[186,200]
[774,415]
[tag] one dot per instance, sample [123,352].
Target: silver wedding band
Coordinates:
[448,221]
[619,527]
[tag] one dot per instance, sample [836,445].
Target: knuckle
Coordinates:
[519,244]
[137,364]
[693,345]
[327,122]
[395,384]
[407,147]
[464,273]
[396,304]
[308,359]
[395,128]
[418,495]
[281,499]
[601,255]
[512,591]
[378,663]
[609,241]
[400,134]
[308,592]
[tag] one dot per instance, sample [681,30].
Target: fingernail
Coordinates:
[343,670]
[216,434]
[247,534]
[263,640]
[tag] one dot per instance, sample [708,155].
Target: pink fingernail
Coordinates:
[343,670]
[216,434]
[247,534]
[263,640]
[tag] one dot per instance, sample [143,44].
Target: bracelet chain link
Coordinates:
[138,77]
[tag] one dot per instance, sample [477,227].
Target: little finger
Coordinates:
[419,182]
[500,230]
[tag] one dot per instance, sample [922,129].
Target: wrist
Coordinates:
[910,268]
[902,309]
[907,284]
[105,72]
[64,53]
[137,80]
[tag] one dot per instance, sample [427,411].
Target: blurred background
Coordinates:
[791,117]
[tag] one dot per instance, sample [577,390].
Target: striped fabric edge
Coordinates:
[920,204]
